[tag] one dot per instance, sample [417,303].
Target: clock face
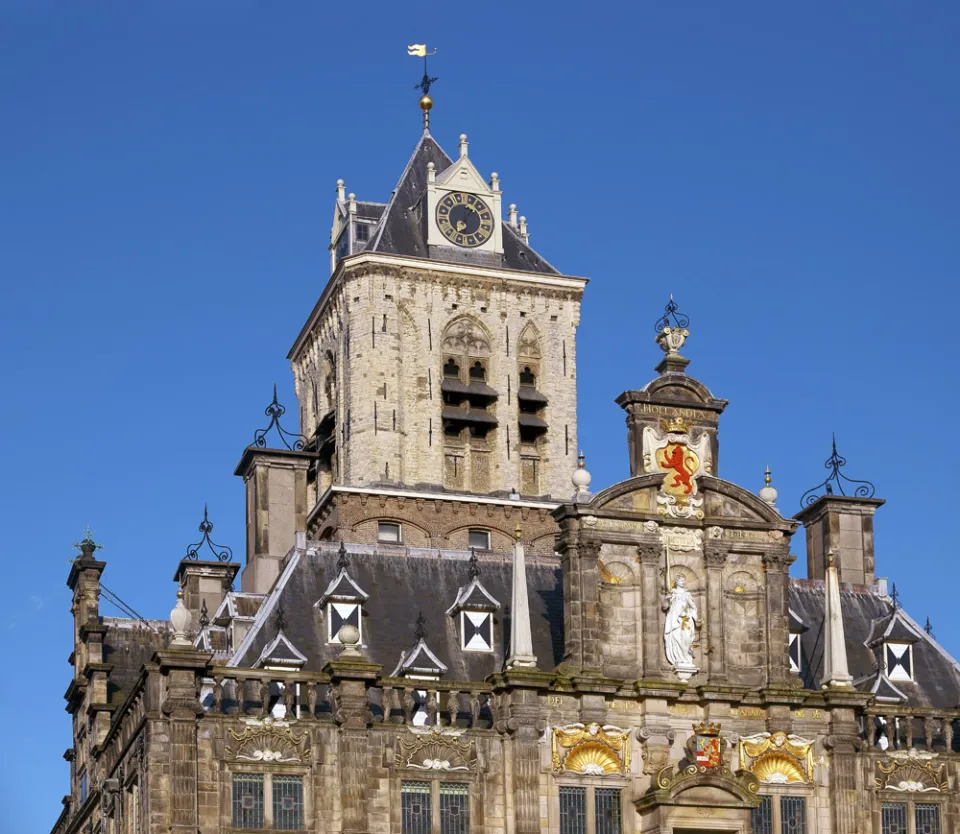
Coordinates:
[464,219]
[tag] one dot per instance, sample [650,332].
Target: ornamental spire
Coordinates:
[419,50]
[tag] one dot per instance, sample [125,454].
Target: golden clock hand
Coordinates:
[461,225]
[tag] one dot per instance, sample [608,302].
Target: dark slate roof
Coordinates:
[370,211]
[401,231]
[865,616]
[401,585]
[128,644]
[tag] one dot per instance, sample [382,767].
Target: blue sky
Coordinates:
[788,171]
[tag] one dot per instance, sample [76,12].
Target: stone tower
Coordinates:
[442,352]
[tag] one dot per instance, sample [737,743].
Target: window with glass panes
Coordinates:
[272,801]
[793,815]
[761,818]
[248,800]
[415,808]
[590,810]
[896,818]
[454,808]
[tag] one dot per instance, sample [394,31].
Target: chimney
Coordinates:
[840,523]
[206,573]
[276,485]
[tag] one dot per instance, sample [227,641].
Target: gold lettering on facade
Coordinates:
[682,709]
[750,712]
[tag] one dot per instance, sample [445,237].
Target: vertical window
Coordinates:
[84,787]
[793,815]
[899,660]
[248,800]
[340,614]
[415,814]
[476,631]
[287,802]
[479,539]
[761,818]
[796,659]
[893,818]
[454,808]
[573,810]
[928,819]
[388,532]
[606,803]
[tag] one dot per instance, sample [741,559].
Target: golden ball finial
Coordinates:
[426,103]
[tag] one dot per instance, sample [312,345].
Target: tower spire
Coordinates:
[419,50]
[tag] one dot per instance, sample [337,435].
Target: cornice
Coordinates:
[397,265]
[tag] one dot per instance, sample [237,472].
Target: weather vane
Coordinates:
[419,50]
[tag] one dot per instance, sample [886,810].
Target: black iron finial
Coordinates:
[929,628]
[343,561]
[895,596]
[474,570]
[281,617]
[221,551]
[204,618]
[293,441]
[87,546]
[420,633]
[671,318]
[862,489]
[419,50]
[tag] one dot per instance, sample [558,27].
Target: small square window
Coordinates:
[476,631]
[388,533]
[479,539]
[340,614]
[899,661]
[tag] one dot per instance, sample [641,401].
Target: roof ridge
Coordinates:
[382,223]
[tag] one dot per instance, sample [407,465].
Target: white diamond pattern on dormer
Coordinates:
[899,661]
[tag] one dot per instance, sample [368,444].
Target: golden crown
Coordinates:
[677,425]
[704,729]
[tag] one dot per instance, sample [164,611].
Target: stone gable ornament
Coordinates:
[436,750]
[269,740]
[911,771]
[682,460]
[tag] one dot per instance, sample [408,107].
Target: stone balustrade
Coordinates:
[432,703]
[900,728]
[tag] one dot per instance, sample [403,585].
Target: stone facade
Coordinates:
[363,680]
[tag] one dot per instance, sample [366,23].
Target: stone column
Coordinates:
[350,678]
[850,815]
[589,570]
[776,566]
[715,556]
[572,613]
[517,693]
[181,670]
[648,553]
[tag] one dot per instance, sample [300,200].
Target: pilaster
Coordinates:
[648,553]
[715,556]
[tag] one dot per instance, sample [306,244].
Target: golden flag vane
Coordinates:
[419,50]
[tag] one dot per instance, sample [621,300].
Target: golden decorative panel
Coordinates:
[591,749]
[778,758]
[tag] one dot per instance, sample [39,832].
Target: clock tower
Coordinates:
[439,362]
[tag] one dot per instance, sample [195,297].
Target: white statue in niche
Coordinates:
[680,628]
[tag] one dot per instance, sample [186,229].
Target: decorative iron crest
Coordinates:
[778,758]
[836,479]
[444,751]
[591,749]
[221,551]
[291,440]
[269,740]
[911,771]
[671,317]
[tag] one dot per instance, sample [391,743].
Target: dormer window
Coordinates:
[476,606]
[796,657]
[342,601]
[899,660]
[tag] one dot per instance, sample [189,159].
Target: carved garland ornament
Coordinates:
[591,749]
[911,771]
[778,758]
[441,751]
[269,740]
